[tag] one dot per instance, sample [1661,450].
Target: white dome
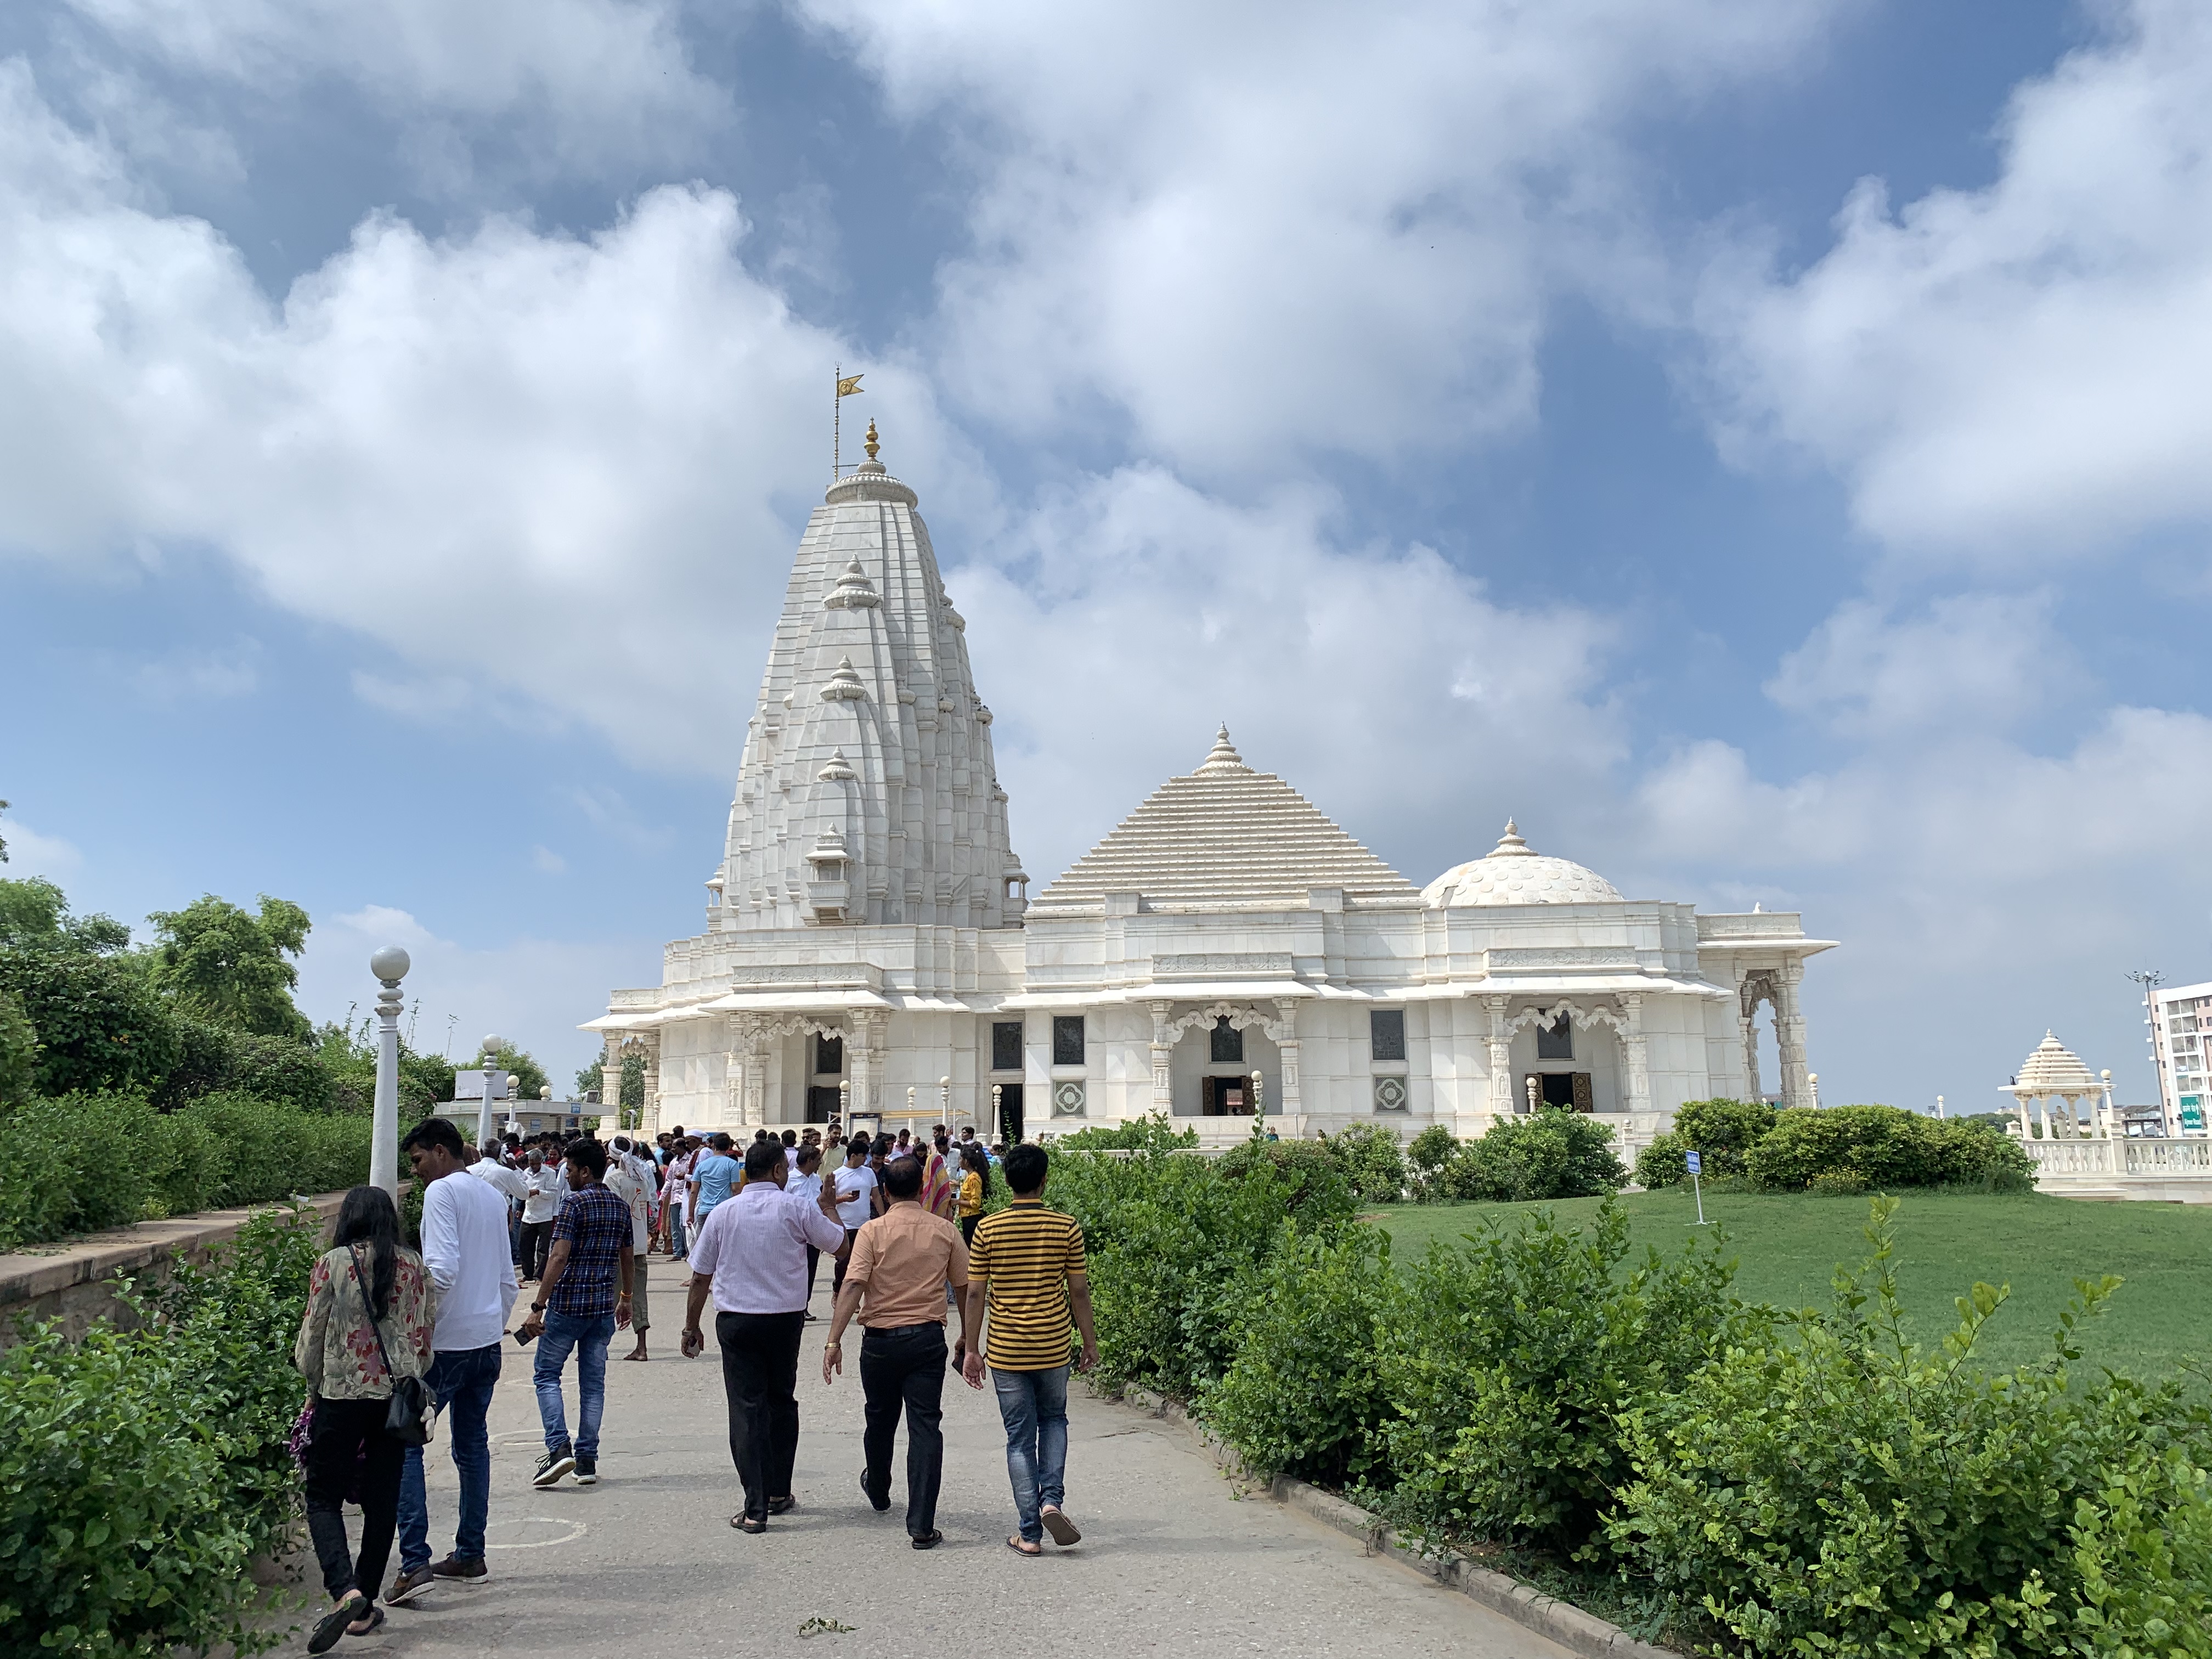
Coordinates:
[1512,874]
[2051,1068]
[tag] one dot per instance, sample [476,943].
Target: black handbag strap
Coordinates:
[369,1308]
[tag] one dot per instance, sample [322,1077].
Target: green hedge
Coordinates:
[1552,1154]
[86,1161]
[141,1472]
[1838,1149]
[1748,1481]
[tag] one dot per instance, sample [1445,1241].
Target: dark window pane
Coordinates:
[1068,1039]
[1006,1045]
[1555,1041]
[828,1056]
[1228,1043]
[1386,1029]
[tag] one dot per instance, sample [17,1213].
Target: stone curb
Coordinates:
[43,1270]
[1585,1633]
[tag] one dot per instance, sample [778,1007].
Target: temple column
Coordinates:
[866,1024]
[1288,1044]
[648,1116]
[611,1078]
[1163,1088]
[756,1083]
[1631,1043]
[1500,1045]
[1746,997]
[1790,1034]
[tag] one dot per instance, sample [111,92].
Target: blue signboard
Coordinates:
[1696,1167]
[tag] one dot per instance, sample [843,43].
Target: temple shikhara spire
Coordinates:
[871,952]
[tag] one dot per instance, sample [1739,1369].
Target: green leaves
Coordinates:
[1554,1154]
[222,964]
[140,1472]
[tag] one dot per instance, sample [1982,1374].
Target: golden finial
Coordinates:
[871,445]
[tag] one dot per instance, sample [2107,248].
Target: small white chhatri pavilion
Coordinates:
[870,945]
[2051,1073]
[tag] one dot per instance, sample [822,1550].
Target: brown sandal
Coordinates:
[1021,1545]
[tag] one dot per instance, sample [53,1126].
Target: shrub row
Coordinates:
[1775,1484]
[1840,1149]
[143,1471]
[1552,1154]
[84,1161]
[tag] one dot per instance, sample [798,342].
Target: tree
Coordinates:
[18,1052]
[529,1076]
[35,913]
[215,960]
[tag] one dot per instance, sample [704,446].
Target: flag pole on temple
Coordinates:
[849,385]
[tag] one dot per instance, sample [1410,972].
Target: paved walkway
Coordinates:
[646,1563]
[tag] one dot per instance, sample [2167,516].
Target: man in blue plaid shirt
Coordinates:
[584,1297]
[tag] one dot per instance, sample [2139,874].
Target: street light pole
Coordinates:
[2150,980]
[389,965]
[492,1046]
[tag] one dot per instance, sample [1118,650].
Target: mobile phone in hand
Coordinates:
[524,1339]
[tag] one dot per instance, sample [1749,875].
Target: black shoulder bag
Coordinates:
[409,1418]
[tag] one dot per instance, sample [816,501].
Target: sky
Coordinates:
[1762,449]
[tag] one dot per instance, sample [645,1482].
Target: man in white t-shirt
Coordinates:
[626,1180]
[856,1192]
[543,1182]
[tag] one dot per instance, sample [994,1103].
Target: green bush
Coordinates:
[141,1472]
[1155,1133]
[2143,1549]
[1720,1133]
[1882,1148]
[1508,1363]
[216,1059]
[1828,1488]
[1554,1154]
[1430,1158]
[100,1024]
[18,1052]
[1372,1161]
[1303,1395]
[1176,1246]
[81,1162]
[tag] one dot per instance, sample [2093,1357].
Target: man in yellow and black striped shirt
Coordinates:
[1025,1267]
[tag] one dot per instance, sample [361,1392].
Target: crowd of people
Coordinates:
[390,1334]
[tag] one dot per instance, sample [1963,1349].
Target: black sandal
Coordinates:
[375,1623]
[783,1505]
[751,1524]
[333,1623]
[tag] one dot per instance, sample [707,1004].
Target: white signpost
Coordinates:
[1697,1168]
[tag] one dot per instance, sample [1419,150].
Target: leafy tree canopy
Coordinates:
[529,1076]
[218,961]
[35,913]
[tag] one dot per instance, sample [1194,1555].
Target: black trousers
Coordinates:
[844,1260]
[760,1377]
[344,1430]
[904,1369]
[536,1245]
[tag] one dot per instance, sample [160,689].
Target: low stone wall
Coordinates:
[2161,1169]
[74,1280]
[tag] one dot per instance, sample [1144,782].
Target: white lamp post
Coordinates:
[389,965]
[492,1078]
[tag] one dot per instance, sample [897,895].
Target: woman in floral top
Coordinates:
[367,1275]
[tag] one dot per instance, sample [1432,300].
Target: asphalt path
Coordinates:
[1173,1560]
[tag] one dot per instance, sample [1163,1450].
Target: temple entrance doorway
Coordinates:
[821,1102]
[1569,1090]
[1227,1096]
[1010,1112]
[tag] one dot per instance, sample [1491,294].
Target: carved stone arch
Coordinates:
[1240,1019]
[1580,1018]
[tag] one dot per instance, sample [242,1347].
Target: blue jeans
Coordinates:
[461,1381]
[676,1242]
[588,1336]
[1033,1405]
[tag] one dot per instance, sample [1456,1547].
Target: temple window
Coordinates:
[829,1056]
[1006,1045]
[1068,1039]
[1228,1043]
[1386,1033]
[1556,1040]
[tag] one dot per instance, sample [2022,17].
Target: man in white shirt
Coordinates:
[628,1180]
[543,1183]
[465,1250]
[750,1254]
[856,1189]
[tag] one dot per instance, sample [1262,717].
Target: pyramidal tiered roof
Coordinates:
[867,793]
[1226,835]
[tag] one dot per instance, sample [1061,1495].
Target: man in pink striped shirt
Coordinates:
[750,1254]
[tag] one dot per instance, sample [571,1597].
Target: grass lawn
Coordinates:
[1786,1246]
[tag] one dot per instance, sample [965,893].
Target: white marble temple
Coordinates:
[869,941]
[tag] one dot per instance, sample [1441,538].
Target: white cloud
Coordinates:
[201,675]
[1247,232]
[532,991]
[547,862]
[2016,371]
[593,82]
[30,853]
[1383,683]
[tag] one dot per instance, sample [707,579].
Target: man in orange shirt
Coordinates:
[895,1282]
